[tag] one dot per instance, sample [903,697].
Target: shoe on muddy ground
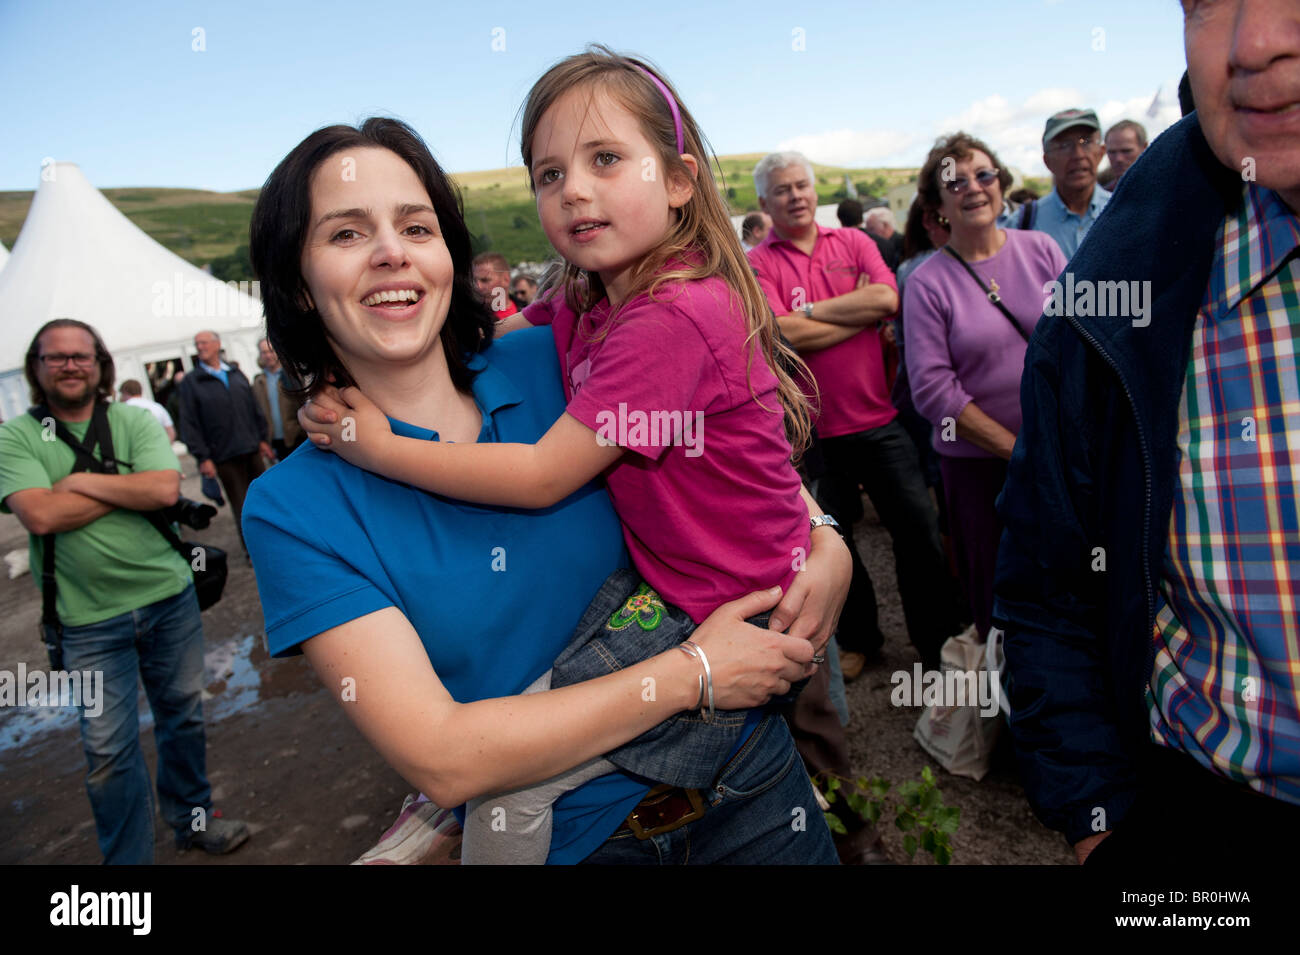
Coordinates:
[219,837]
[851,664]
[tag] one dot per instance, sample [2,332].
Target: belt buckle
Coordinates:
[664,809]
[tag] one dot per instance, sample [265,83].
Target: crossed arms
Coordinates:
[78,499]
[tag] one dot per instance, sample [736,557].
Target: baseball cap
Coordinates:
[1060,122]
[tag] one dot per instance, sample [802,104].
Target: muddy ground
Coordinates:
[283,756]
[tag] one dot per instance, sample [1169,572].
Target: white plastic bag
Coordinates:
[961,738]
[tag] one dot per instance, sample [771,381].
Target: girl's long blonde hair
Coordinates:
[702,238]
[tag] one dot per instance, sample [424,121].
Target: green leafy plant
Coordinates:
[917,806]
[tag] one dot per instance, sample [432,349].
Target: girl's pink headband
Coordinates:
[672,105]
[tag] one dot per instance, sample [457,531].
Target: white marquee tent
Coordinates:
[78,257]
[4,256]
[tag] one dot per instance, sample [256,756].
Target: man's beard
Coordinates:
[62,400]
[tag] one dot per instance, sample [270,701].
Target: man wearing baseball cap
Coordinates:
[1072,150]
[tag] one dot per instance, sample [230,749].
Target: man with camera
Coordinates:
[124,601]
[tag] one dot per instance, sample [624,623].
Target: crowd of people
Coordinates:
[1112,487]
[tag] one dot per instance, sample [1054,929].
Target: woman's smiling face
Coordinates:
[374,260]
[978,205]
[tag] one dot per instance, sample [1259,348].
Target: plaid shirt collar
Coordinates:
[1252,252]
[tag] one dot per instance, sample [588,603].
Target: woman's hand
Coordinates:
[750,665]
[456,751]
[811,608]
[975,426]
[349,424]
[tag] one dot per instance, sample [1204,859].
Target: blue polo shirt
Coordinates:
[494,593]
[1066,227]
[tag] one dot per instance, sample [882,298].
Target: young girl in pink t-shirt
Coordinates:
[675,392]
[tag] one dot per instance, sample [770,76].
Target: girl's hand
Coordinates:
[321,409]
[811,608]
[349,424]
[750,665]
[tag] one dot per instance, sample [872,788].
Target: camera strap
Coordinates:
[100,435]
[85,461]
[97,434]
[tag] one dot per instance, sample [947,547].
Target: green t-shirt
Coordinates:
[119,562]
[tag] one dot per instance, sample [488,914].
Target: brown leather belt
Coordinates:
[664,809]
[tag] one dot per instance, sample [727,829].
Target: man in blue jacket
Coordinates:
[1149,576]
[222,423]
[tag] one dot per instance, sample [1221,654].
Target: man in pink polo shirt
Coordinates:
[830,290]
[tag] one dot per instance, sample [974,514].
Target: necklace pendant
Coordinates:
[993,286]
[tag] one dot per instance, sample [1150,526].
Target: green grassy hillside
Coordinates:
[211,227]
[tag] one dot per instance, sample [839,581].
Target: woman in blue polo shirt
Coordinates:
[428,615]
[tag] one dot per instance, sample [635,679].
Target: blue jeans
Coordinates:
[163,643]
[626,623]
[839,699]
[761,811]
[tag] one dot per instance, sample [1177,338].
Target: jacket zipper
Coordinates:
[1146,478]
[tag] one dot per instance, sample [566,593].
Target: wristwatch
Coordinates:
[822,520]
[807,310]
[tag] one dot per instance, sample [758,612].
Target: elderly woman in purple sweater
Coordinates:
[969,312]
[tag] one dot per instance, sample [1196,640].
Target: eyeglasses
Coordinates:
[1067,145]
[985,177]
[61,361]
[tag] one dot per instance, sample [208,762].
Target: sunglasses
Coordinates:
[985,177]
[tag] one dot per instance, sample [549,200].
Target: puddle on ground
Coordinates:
[21,724]
[238,675]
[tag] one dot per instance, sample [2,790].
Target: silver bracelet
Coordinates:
[694,649]
[699,702]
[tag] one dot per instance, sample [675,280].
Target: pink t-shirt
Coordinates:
[709,501]
[851,375]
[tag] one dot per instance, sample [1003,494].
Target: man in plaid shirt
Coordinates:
[1149,576]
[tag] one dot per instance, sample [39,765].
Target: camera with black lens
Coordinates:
[190,513]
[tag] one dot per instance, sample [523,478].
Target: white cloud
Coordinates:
[1014,129]
[995,111]
[854,147]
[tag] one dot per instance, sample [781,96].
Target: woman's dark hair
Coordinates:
[956,146]
[915,237]
[107,370]
[281,219]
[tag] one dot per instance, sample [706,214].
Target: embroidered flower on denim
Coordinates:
[645,608]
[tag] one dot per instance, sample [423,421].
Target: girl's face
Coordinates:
[603,198]
[375,261]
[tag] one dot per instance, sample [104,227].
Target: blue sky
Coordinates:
[119,88]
